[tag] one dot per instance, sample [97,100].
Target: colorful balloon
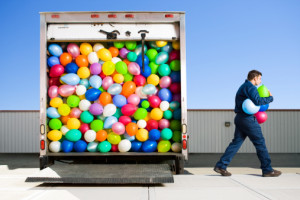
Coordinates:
[118,128]
[96,109]
[109,121]
[134,68]
[95,81]
[56,71]
[249,107]
[73,50]
[261,117]
[70,79]
[115,89]
[55,50]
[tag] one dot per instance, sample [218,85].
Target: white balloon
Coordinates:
[109,110]
[93,58]
[164,105]
[90,135]
[142,123]
[176,147]
[124,145]
[55,146]
[84,105]
[80,90]
[64,129]
[97,47]
[139,92]
[116,59]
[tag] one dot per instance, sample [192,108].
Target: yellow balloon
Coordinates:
[156,114]
[83,72]
[161,43]
[113,138]
[104,54]
[153,79]
[81,97]
[118,78]
[64,110]
[56,102]
[86,48]
[142,135]
[176,45]
[73,123]
[148,117]
[108,67]
[54,135]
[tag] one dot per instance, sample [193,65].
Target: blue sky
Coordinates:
[225,40]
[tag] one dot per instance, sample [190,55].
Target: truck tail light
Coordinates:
[112,16]
[169,15]
[184,144]
[129,16]
[42,144]
[55,16]
[94,16]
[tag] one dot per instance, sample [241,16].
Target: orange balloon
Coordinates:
[82,61]
[65,119]
[114,51]
[126,61]
[128,88]
[101,135]
[132,128]
[65,58]
[105,98]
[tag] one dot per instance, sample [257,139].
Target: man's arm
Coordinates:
[256,99]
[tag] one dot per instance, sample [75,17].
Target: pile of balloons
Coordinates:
[259,111]
[101,99]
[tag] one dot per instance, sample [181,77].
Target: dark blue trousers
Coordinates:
[247,126]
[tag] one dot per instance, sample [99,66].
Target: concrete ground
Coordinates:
[198,182]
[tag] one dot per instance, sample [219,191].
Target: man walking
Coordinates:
[247,126]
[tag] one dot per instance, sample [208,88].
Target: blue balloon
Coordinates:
[154,134]
[55,50]
[70,79]
[52,113]
[92,94]
[85,82]
[139,60]
[149,146]
[71,68]
[114,89]
[95,81]
[80,146]
[264,108]
[67,146]
[161,58]
[109,121]
[119,100]
[175,77]
[167,48]
[165,95]
[92,146]
[53,60]
[146,72]
[136,146]
[177,114]
[249,107]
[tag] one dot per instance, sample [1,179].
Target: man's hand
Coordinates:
[270,93]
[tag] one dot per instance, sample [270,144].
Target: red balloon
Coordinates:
[54,81]
[139,80]
[56,71]
[154,101]
[125,120]
[128,109]
[174,55]
[152,124]
[102,75]
[175,88]
[84,128]
[261,117]
[114,148]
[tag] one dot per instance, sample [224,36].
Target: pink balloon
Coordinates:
[134,68]
[139,80]
[125,120]
[66,90]
[95,68]
[163,123]
[84,128]
[107,82]
[165,82]
[56,71]
[261,117]
[75,113]
[73,49]
[123,52]
[128,109]
[118,128]
[53,91]
[134,99]
[175,88]
[174,55]
[154,101]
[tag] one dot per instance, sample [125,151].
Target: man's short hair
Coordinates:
[252,74]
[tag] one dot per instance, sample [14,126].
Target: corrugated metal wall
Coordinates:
[208,133]
[19,131]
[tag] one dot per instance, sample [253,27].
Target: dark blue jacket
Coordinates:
[249,91]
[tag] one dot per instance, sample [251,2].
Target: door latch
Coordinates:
[110,35]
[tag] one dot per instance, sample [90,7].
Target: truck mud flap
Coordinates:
[105,174]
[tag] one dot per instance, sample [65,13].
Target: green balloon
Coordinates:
[118,113]
[86,117]
[113,138]
[101,89]
[168,114]
[119,45]
[104,147]
[130,45]
[121,67]
[55,124]
[164,146]
[175,65]
[263,91]
[164,70]
[73,101]
[73,135]
[174,105]
[176,136]
[97,125]
[145,104]
[154,67]
[141,113]
[151,54]
[131,56]
[128,77]
[166,134]
[175,125]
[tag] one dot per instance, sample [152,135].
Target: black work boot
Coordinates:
[223,172]
[274,173]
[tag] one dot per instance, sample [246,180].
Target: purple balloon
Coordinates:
[123,52]
[96,109]
[73,49]
[95,68]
